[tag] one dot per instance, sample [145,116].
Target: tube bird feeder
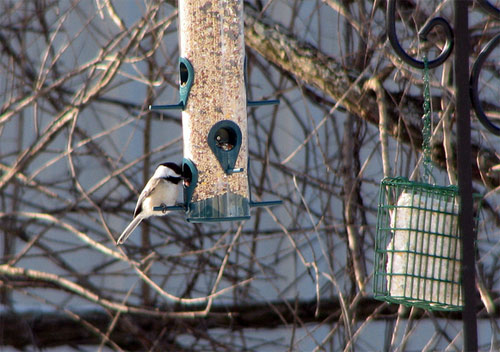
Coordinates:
[214,118]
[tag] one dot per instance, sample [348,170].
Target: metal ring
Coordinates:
[474,92]
[393,39]
[492,10]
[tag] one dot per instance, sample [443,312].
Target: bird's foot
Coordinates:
[163,207]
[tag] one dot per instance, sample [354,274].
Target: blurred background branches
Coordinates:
[78,143]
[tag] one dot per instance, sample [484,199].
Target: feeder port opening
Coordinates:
[190,174]
[183,74]
[225,138]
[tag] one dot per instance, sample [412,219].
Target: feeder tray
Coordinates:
[418,247]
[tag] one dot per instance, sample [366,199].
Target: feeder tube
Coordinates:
[211,38]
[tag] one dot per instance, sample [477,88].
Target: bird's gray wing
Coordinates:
[148,189]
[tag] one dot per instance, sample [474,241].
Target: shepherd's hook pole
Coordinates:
[463,105]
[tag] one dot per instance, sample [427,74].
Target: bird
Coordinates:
[161,190]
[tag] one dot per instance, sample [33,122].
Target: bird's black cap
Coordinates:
[173,166]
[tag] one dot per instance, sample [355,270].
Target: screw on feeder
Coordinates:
[235,171]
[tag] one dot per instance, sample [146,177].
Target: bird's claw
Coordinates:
[163,207]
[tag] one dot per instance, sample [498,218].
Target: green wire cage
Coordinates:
[418,254]
[418,247]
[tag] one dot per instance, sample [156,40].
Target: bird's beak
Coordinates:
[186,181]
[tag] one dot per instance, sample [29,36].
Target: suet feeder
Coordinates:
[418,254]
[214,119]
[418,247]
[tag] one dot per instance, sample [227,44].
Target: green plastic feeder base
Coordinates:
[227,207]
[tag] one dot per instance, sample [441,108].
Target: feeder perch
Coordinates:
[256,103]
[214,120]
[418,254]
[186,78]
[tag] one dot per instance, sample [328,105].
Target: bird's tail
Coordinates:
[128,230]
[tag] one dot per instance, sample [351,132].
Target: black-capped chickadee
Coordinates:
[162,188]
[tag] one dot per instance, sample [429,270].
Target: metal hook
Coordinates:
[474,92]
[492,10]
[393,39]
